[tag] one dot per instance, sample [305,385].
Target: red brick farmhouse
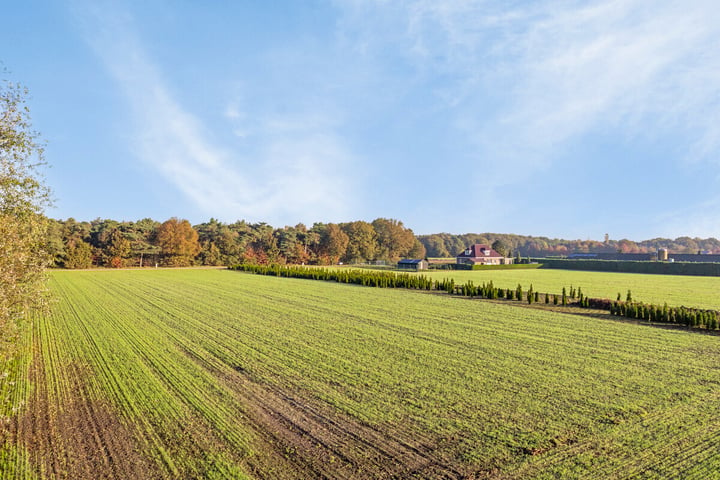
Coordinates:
[480,254]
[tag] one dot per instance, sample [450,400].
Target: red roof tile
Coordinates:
[479,250]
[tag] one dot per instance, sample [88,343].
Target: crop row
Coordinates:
[206,369]
[499,381]
[691,317]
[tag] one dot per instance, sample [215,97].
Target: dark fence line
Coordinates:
[510,266]
[628,266]
[690,317]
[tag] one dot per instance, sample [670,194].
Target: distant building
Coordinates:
[412,264]
[480,254]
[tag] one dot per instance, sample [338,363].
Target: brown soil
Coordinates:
[301,437]
[295,437]
[80,438]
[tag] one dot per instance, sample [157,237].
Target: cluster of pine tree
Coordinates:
[486,290]
[691,317]
[368,278]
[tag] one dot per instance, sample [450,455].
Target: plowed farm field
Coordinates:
[216,374]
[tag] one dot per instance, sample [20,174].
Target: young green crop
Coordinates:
[676,290]
[218,374]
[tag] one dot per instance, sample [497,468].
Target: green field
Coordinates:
[676,290]
[219,374]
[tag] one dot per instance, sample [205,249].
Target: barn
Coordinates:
[413,264]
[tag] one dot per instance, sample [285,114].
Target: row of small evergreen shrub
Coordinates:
[690,317]
[386,279]
[368,278]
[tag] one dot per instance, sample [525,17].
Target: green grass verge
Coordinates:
[699,292]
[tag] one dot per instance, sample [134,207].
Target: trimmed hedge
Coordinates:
[462,266]
[690,317]
[624,266]
[512,266]
[369,278]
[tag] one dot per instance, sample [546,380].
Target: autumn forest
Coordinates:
[175,242]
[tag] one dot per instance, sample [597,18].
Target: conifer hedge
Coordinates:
[690,317]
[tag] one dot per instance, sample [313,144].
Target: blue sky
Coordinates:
[564,118]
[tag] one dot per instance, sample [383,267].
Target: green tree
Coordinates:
[119,249]
[79,254]
[221,244]
[362,242]
[210,254]
[56,245]
[23,227]
[417,250]
[501,247]
[435,246]
[394,240]
[332,243]
[265,243]
[143,238]
[288,243]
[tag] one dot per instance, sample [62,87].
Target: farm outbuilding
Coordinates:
[413,264]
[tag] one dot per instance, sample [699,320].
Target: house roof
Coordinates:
[479,250]
[409,261]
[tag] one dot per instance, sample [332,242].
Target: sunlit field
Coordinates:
[691,291]
[220,374]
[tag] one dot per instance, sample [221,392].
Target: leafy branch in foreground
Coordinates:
[23,196]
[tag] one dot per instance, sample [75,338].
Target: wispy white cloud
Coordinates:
[525,82]
[506,87]
[612,65]
[296,171]
[232,112]
[559,69]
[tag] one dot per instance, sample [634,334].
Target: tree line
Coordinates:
[175,242]
[449,245]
